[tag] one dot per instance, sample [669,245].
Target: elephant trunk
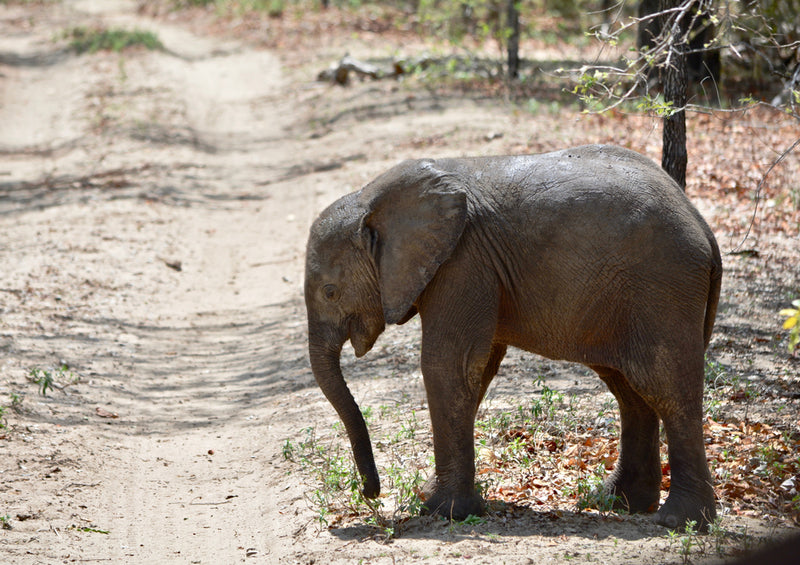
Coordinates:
[324,353]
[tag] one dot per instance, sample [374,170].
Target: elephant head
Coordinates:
[369,257]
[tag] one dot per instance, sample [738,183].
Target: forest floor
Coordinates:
[154,207]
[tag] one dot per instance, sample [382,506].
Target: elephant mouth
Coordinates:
[361,338]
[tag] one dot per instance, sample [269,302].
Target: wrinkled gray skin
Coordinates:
[591,254]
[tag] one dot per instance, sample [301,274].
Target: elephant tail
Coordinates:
[713,292]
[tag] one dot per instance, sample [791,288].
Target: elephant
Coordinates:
[591,255]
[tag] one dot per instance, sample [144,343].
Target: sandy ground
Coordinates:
[154,208]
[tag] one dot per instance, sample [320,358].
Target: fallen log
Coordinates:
[339,73]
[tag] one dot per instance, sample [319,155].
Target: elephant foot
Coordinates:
[632,495]
[682,508]
[450,504]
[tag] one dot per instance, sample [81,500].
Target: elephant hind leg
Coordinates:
[691,494]
[636,479]
[674,389]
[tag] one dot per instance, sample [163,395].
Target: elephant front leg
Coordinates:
[459,358]
[451,491]
[453,398]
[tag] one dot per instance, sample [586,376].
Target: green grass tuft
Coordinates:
[90,40]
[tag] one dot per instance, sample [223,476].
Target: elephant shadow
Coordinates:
[505,520]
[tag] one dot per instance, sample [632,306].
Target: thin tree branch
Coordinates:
[774,164]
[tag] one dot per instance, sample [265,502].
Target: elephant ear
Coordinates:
[415,215]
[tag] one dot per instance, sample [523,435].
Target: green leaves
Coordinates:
[46,379]
[43,378]
[657,106]
[327,463]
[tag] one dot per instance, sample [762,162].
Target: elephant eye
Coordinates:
[331,292]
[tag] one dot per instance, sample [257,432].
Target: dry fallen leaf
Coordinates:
[103,413]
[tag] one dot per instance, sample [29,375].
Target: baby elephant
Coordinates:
[592,255]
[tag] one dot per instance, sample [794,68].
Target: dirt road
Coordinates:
[154,207]
[117,170]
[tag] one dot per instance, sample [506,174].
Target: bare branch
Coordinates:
[774,164]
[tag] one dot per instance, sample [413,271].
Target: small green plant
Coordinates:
[181,3]
[366,412]
[288,450]
[770,462]
[408,429]
[5,522]
[387,529]
[339,484]
[718,540]
[590,492]
[792,323]
[717,534]
[3,423]
[497,423]
[685,540]
[716,377]
[471,520]
[715,373]
[713,407]
[90,530]
[517,450]
[91,40]
[406,488]
[49,379]
[273,8]
[335,491]
[547,406]
[43,378]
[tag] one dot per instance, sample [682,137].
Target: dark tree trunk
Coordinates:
[674,79]
[702,62]
[648,29]
[512,24]
[673,145]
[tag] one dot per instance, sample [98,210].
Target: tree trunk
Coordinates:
[512,25]
[674,79]
[673,145]
[649,28]
[702,62]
